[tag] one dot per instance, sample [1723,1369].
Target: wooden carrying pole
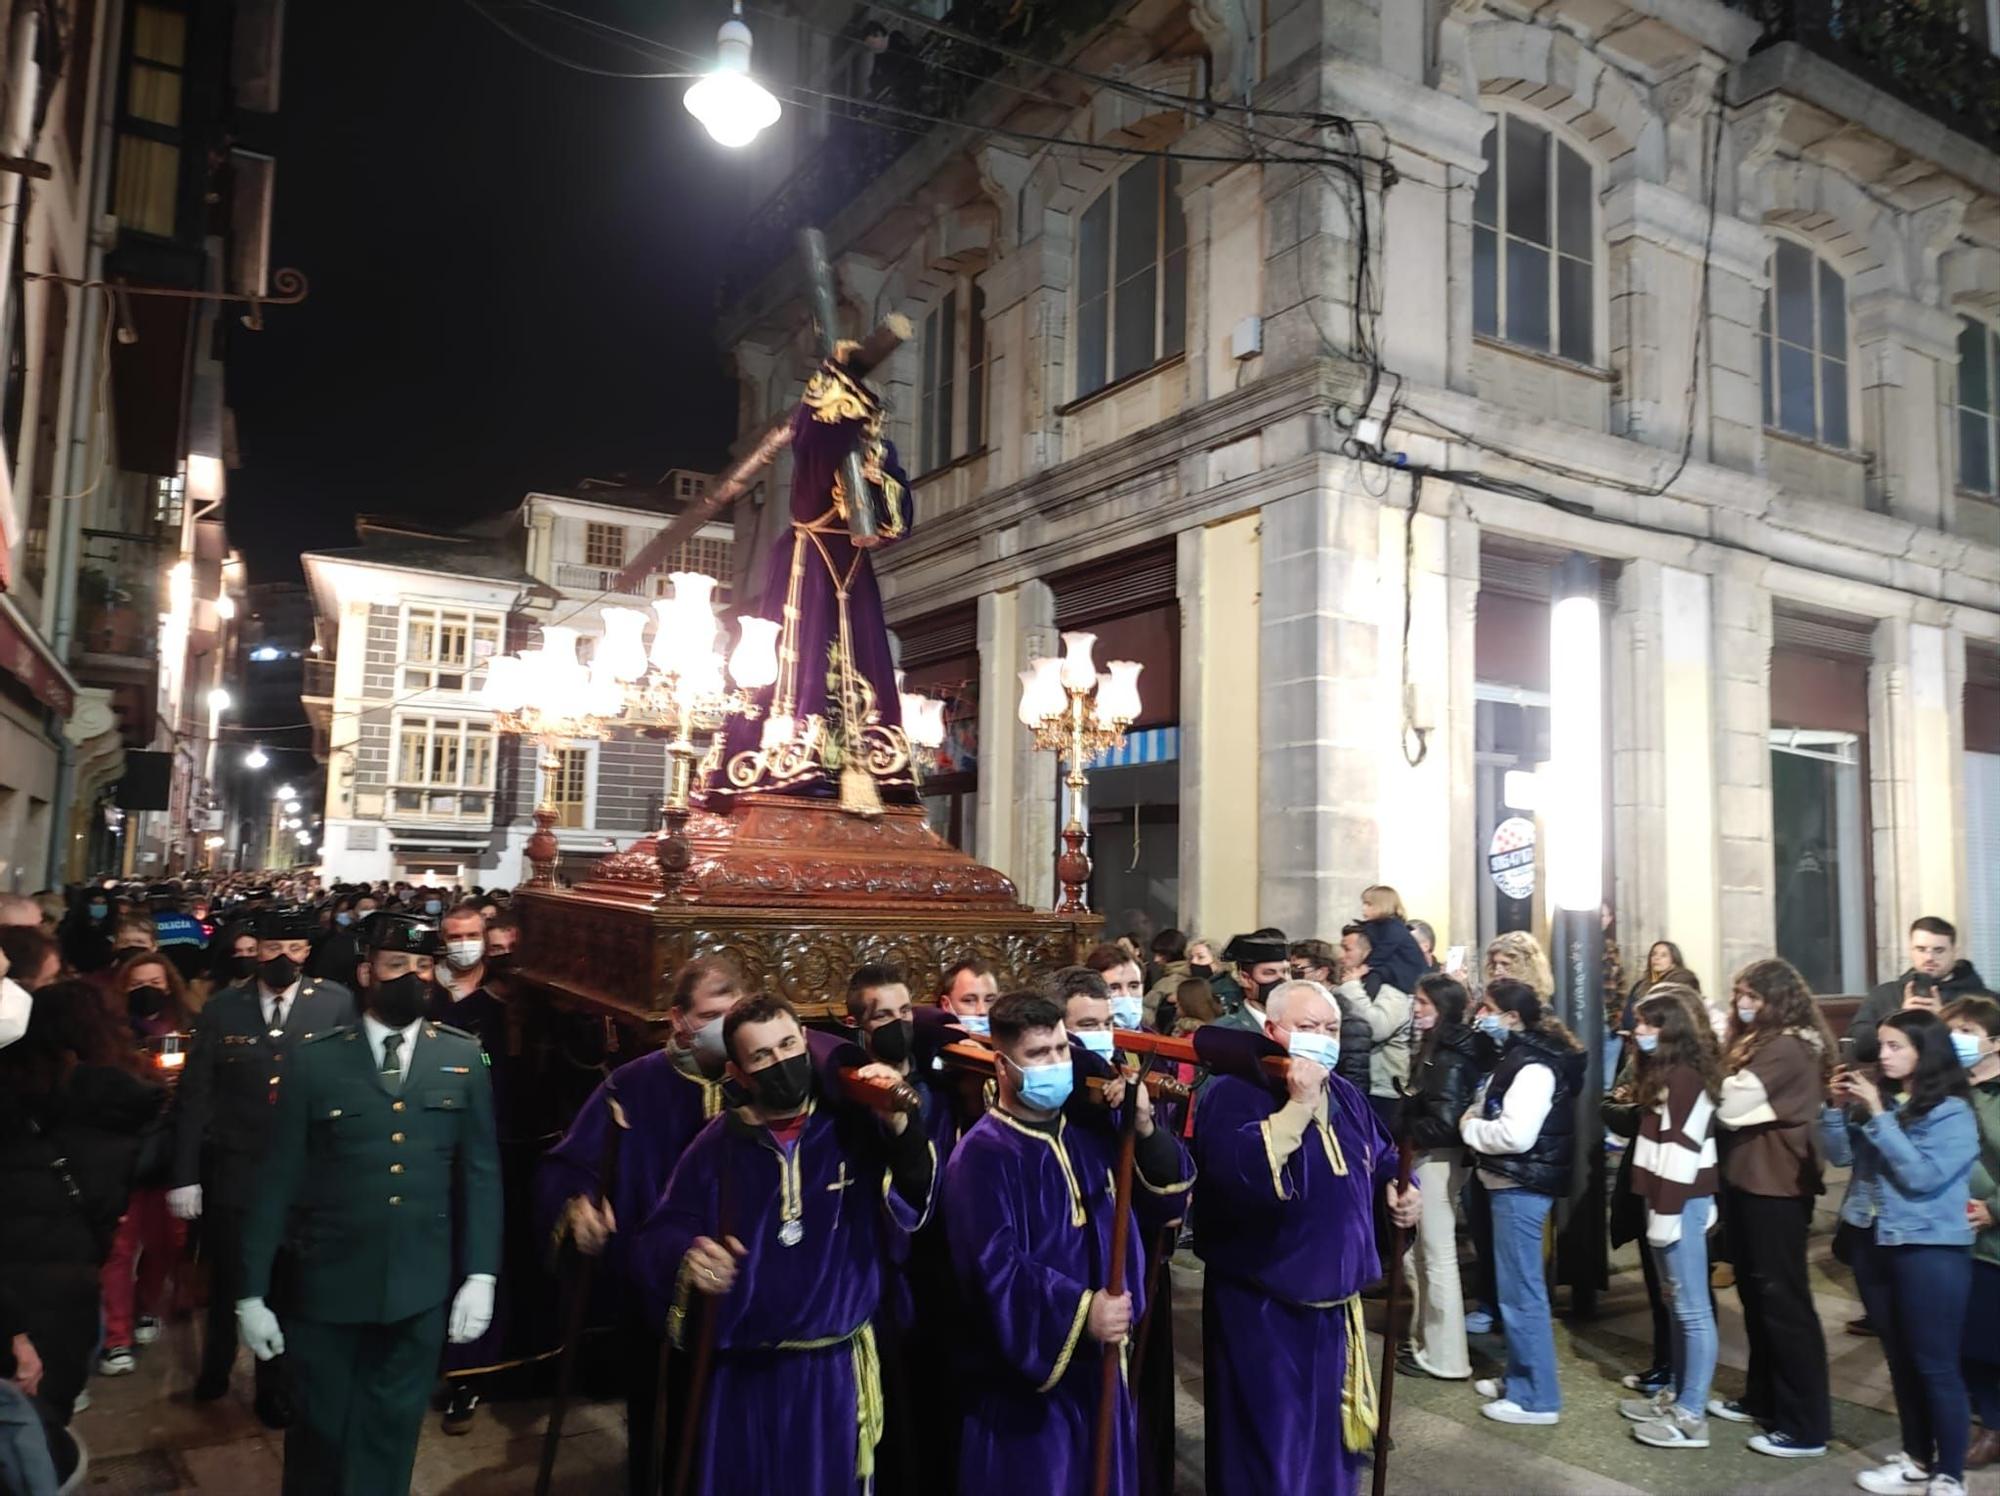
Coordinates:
[1387,1395]
[1121,1234]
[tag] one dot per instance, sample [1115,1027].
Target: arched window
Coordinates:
[1534,240]
[1978,405]
[1804,338]
[1131,283]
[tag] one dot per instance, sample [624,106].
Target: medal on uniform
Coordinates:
[791,1233]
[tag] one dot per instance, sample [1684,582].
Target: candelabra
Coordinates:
[1077,713]
[545,694]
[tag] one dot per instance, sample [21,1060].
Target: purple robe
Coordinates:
[1031,1249]
[666,1103]
[834,665]
[794,1394]
[1285,1246]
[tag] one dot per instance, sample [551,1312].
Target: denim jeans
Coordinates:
[1683,1269]
[1916,1297]
[1518,1218]
[25,1465]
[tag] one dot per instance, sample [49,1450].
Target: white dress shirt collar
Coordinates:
[377,1031]
[284,999]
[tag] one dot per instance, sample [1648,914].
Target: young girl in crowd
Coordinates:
[1777,1061]
[1393,952]
[1449,1063]
[1975,1035]
[1522,1127]
[1908,1131]
[1673,1172]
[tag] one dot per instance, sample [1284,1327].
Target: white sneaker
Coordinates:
[1490,1388]
[1506,1410]
[1944,1485]
[1900,1477]
[147,1330]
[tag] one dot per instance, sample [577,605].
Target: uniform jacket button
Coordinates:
[395,1137]
[395,1168]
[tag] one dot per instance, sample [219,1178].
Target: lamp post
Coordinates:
[1573,820]
[1077,713]
[732,106]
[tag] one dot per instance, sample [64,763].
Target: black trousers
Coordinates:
[222,1247]
[362,1393]
[1787,1384]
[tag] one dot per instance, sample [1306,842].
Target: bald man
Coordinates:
[19,909]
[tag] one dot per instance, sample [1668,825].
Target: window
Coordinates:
[146,194]
[444,649]
[603,545]
[711,555]
[1533,232]
[940,361]
[953,362]
[975,372]
[1804,338]
[567,788]
[1817,835]
[1131,304]
[444,767]
[1978,358]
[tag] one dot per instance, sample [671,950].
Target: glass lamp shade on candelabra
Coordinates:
[1079,713]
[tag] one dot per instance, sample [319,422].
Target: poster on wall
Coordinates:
[1510,857]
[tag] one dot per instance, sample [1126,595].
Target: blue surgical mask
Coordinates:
[973,1023]
[1967,1046]
[343,919]
[1647,1042]
[1490,1025]
[1097,1041]
[1746,1014]
[1127,1012]
[1321,1049]
[1044,1087]
[433,906]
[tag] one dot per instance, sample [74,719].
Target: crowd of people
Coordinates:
[313,1092]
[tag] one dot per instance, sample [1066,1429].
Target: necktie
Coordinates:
[392,1068]
[277,1017]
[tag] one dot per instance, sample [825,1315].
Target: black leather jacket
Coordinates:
[1446,1074]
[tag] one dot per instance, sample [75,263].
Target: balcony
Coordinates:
[938,77]
[118,603]
[1928,53]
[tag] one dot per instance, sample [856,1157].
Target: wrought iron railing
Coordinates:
[119,593]
[317,678]
[933,79]
[1930,53]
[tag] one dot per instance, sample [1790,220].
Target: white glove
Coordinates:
[259,1329]
[472,1309]
[184,1201]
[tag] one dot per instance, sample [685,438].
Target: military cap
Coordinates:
[284,924]
[383,931]
[1248,950]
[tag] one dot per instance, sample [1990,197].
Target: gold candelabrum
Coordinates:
[1078,713]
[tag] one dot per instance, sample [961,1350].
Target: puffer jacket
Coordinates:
[1545,1165]
[1442,1081]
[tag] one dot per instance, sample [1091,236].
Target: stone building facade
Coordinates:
[1301,406]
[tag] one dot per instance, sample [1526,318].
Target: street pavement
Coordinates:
[147,1439]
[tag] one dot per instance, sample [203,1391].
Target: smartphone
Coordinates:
[1454,961]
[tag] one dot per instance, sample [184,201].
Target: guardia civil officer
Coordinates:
[383,1135]
[239,1056]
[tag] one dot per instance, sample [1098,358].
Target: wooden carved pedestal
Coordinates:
[798,894]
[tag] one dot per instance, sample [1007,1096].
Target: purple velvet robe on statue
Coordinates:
[1283,1246]
[793,1377]
[833,649]
[1030,1240]
[666,1103]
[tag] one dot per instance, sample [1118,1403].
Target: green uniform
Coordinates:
[372,1181]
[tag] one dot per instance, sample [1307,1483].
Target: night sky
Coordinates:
[512,280]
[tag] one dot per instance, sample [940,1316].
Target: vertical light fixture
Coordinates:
[1573,822]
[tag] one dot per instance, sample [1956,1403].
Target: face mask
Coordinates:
[15,1005]
[98,911]
[1321,1049]
[1745,1014]
[343,919]
[1127,1012]
[1490,1025]
[145,1002]
[499,962]
[783,1087]
[705,1043]
[891,1042]
[433,906]
[464,954]
[1647,1042]
[1097,1041]
[1265,989]
[242,967]
[399,1002]
[1044,1087]
[279,972]
[1967,1046]
[1425,1025]
[974,1023]
[1201,969]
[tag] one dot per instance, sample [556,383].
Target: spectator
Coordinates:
[1193,1005]
[1975,1034]
[1169,968]
[232,960]
[1202,963]
[1522,1130]
[1663,957]
[1427,940]
[1777,1059]
[1316,961]
[1449,1064]
[1516,955]
[895,75]
[85,932]
[1909,1132]
[1384,1010]
[1394,955]
[503,934]
[1936,975]
[32,958]
[19,909]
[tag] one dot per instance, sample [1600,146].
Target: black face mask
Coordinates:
[146,1002]
[399,1003]
[1265,989]
[891,1042]
[279,972]
[499,962]
[783,1087]
[242,967]
[1200,969]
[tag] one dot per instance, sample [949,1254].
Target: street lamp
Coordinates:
[286,792]
[256,758]
[732,106]
[1075,712]
[292,807]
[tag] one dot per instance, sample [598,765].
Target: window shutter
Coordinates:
[1112,588]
